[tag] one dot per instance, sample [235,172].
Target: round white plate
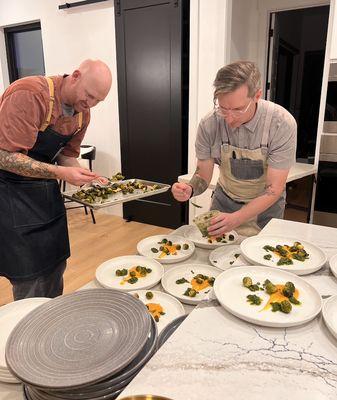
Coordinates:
[106,273]
[187,271]
[252,249]
[10,315]
[192,233]
[172,307]
[145,245]
[225,256]
[333,264]
[232,295]
[329,312]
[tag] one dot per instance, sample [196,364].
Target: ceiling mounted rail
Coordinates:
[65,6]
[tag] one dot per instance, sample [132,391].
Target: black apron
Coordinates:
[33,223]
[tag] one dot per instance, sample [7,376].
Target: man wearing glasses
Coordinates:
[254,143]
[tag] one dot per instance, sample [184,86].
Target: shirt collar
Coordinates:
[252,124]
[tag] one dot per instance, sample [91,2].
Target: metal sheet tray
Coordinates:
[117,198]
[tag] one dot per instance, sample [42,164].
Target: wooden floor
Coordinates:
[92,244]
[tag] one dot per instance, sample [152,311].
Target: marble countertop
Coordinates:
[299,170]
[214,355]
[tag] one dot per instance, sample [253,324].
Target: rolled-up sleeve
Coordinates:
[282,149]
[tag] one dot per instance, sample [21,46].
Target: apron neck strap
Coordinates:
[51,103]
[266,127]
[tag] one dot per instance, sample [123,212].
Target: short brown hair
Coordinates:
[232,76]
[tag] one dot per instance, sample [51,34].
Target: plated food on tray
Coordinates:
[163,307]
[98,195]
[297,256]
[268,297]
[167,249]
[129,273]
[225,257]
[190,283]
[193,233]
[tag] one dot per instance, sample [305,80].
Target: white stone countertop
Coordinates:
[214,355]
[299,170]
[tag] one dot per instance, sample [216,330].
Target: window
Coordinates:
[24,51]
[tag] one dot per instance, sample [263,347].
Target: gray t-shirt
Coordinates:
[281,142]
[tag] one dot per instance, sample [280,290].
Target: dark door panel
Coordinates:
[153,123]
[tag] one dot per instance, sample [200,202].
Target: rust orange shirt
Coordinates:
[24,108]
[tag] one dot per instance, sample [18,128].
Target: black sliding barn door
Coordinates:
[152,61]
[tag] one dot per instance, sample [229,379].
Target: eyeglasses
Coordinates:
[224,112]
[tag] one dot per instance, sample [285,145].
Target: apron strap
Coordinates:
[51,103]
[80,123]
[266,127]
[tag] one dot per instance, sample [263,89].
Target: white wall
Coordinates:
[69,37]
[210,32]
[244,30]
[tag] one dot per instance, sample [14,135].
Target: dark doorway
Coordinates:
[152,38]
[24,51]
[296,51]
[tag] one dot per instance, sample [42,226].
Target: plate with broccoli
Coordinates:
[294,255]
[167,249]
[193,233]
[129,273]
[267,297]
[163,307]
[190,283]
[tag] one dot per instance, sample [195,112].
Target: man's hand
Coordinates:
[75,175]
[224,222]
[181,191]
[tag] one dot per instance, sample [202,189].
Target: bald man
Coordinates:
[43,121]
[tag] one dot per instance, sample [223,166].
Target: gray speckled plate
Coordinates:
[78,339]
[121,379]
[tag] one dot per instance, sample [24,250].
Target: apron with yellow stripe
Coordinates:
[33,224]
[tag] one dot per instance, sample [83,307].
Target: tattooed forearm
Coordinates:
[25,166]
[198,184]
[269,191]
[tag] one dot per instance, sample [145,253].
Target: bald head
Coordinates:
[98,73]
[88,84]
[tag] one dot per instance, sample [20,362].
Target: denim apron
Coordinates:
[33,223]
[243,178]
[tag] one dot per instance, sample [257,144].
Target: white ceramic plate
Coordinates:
[10,315]
[252,249]
[225,256]
[106,273]
[329,312]
[172,307]
[187,271]
[192,233]
[145,245]
[333,264]
[232,295]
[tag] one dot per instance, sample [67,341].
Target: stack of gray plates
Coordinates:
[86,345]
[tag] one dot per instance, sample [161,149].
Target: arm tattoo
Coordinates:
[269,191]
[199,185]
[23,165]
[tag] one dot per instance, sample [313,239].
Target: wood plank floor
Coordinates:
[92,244]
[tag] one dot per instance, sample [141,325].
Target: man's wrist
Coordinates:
[198,185]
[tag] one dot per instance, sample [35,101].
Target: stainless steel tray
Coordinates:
[117,198]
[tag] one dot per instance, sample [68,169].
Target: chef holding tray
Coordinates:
[254,143]
[43,122]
